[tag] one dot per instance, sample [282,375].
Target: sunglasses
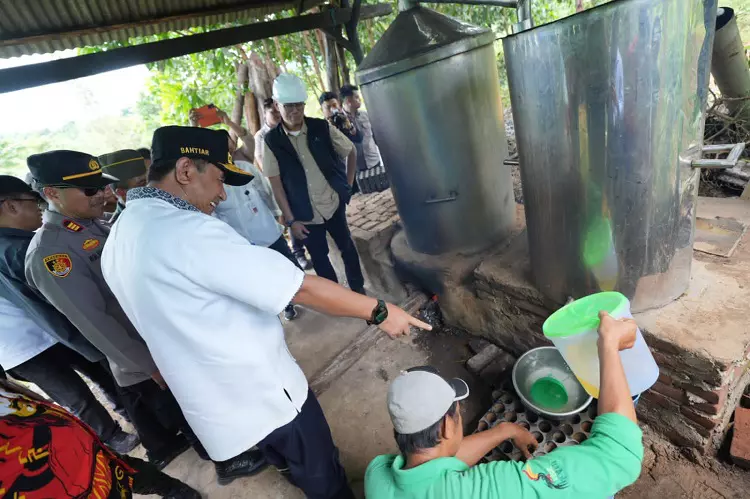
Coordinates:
[88,191]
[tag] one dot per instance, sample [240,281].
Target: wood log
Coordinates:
[254,121]
[314,56]
[332,71]
[279,56]
[343,66]
[239,96]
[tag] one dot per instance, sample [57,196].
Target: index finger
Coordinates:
[417,323]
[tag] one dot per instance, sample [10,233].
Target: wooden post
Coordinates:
[351,30]
[239,96]
[341,57]
[251,113]
[314,56]
[279,56]
[332,70]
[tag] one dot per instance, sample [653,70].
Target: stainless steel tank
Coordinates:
[432,93]
[608,107]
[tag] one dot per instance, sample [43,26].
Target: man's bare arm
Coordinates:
[280,195]
[333,299]
[614,393]
[476,446]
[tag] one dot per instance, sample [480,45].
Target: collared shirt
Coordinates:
[371,152]
[324,199]
[28,320]
[260,136]
[251,209]
[607,462]
[63,264]
[207,302]
[20,338]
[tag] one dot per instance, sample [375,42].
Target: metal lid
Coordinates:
[418,37]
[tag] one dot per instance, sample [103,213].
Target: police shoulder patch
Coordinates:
[90,244]
[71,225]
[59,264]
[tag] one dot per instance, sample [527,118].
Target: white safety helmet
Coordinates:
[289,89]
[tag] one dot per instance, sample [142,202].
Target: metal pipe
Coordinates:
[728,64]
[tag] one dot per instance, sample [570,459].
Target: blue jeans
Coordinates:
[317,245]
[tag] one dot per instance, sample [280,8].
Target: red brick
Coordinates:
[717,396]
[663,378]
[658,399]
[706,422]
[740,449]
[672,392]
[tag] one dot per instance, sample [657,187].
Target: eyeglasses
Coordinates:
[293,106]
[88,191]
[38,201]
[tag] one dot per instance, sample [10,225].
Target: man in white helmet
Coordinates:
[311,166]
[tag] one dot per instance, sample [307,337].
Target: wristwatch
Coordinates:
[289,223]
[379,314]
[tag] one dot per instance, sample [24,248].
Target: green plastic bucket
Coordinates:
[582,315]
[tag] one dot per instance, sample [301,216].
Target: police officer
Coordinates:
[129,167]
[62,262]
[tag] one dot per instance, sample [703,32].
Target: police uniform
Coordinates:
[125,164]
[63,263]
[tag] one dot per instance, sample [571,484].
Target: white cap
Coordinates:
[289,89]
[420,397]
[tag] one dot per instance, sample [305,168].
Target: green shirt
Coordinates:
[598,468]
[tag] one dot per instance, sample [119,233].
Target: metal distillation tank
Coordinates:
[608,108]
[431,89]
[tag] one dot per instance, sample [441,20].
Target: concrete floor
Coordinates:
[355,404]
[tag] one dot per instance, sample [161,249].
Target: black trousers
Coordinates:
[282,247]
[157,417]
[297,246]
[317,244]
[305,446]
[148,479]
[53,371]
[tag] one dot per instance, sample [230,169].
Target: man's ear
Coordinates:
[51,194]
[184,170]
[445,430]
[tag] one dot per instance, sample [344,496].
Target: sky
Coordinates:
[52,106]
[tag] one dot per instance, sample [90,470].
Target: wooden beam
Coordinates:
[33,75]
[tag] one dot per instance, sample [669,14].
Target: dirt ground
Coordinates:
[670,473]
[356,411]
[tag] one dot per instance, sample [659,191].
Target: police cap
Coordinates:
[67,168]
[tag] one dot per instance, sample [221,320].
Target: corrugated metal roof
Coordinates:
[43,26]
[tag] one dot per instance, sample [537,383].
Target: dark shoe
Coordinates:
[303,261]
[248,463]
[183,491]
[290,313]
[168,452]
[122,442]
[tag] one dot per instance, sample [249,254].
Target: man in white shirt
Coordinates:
[206,302]
[251,210]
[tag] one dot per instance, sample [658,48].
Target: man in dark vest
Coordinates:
[303,159]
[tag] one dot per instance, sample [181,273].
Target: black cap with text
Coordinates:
[174,142]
